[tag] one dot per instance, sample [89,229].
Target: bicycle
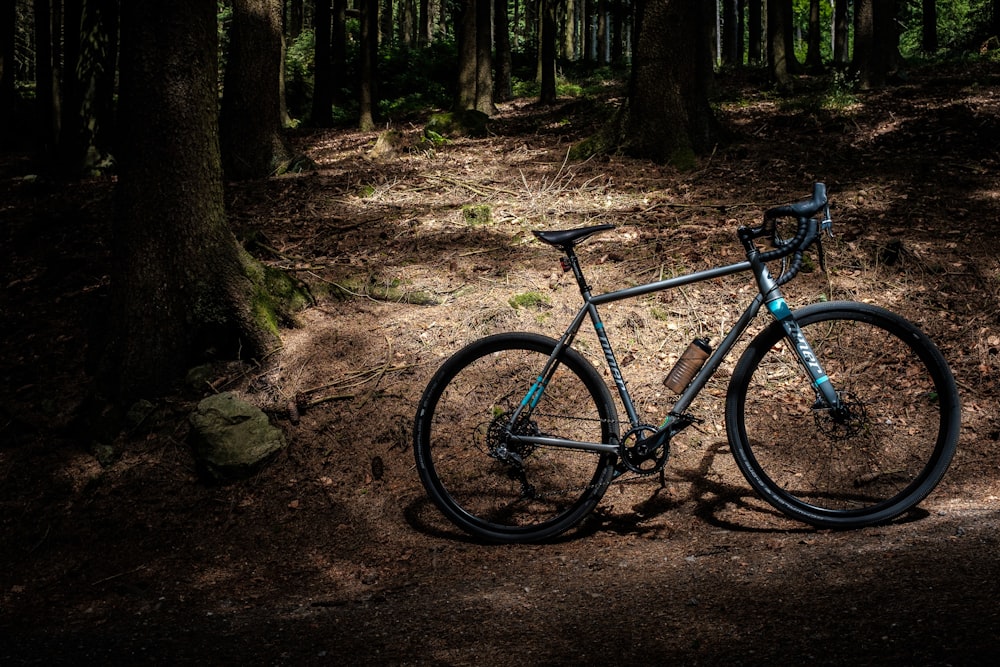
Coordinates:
[839,414]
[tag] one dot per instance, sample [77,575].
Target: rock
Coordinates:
[469,123]
[232,439]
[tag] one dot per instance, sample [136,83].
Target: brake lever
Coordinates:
[826,225]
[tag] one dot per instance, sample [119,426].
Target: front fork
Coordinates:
[826,395]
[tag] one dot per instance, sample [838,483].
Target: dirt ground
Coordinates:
[120,554]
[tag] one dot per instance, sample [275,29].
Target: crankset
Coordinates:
[638,456]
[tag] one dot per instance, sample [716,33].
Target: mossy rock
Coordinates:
[469,123]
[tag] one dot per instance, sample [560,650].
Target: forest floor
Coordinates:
[333,554]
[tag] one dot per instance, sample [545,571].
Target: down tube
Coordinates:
[616,372]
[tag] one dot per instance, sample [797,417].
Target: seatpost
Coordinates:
[571,263]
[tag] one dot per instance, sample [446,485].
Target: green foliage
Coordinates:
[300,60]
[414,80]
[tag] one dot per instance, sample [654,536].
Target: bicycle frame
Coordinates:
[769,293]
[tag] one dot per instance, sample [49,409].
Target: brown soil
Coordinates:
[333,554]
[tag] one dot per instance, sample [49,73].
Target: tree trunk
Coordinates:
[875,41]
[465,29]
[180,285]
[814,60]
[669,117]
[424,23]
[730,33]
[755,33]
[251,127]
[8,89]
[338,46]
[547,52]
[781,61]
[322,100]
[841,28]
[88,101]
[47,89]
[296,19]
[369,53]
[603,39]
[929,36]
[484,57]
[503,86]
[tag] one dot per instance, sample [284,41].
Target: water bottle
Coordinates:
[688,365]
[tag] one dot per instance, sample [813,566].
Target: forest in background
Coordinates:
[59,58]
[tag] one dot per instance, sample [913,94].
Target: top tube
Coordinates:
[687,279]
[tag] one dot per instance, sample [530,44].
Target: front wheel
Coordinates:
[495,488]
[877,456]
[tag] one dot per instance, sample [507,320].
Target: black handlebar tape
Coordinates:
[802,209]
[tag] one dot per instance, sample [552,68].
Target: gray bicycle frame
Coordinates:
[768,292]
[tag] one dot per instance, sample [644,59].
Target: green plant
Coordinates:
[530,300]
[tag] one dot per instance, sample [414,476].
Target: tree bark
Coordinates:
[841,28]
[814,61]
[755,33]
[180,285]
[875,41]
[547,52]
[251,127]
[465,29]
[322,100]
[369,56]
[484,57]
[503,85]
[730,33]
[781,61]
[669,117]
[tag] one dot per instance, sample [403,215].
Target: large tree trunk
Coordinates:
[484,57]
[669,117]
[841,30]
[876,41]
[781,60]
[465,31]
[180,285]
[251,128]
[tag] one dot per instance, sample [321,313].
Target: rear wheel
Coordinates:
[866,463]
[486,484]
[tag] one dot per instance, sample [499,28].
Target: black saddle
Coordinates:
[567,238]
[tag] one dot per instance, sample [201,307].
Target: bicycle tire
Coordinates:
[455,448]
[844,473]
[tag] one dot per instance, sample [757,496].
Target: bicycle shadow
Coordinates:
[711,488]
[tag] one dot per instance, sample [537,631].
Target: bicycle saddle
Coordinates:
[567,238]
